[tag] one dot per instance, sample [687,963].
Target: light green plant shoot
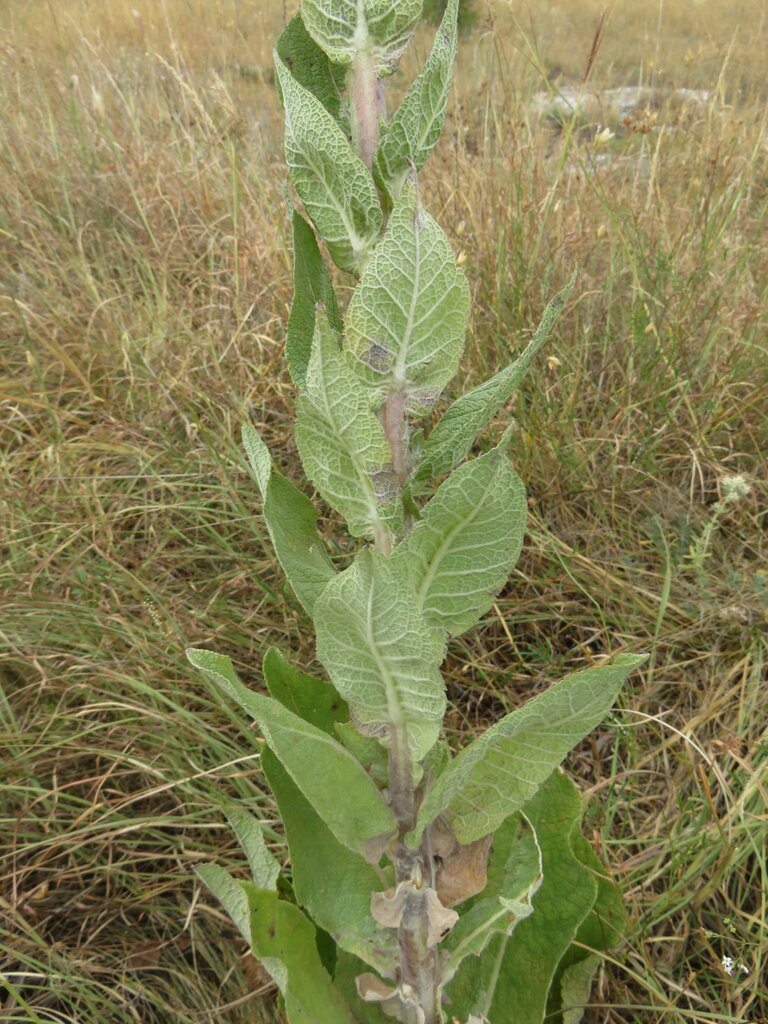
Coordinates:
[451,885]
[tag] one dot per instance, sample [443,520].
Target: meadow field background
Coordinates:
[145,277]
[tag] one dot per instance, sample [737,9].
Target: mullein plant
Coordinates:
[423,884]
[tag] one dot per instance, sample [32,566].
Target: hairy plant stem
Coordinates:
[395,423]
[418,968]
[366,102]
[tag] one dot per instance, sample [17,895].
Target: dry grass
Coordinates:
[144,282]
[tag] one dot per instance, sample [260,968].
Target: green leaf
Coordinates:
[600,930]
[576,987]
[502,769]
[408,138]
[265,869]
[341,443]
[333,884]
[326,773]
[345,27]
[369,752]
[310,66]
[281,932]
[454,434]
[312,699]
[291,520]
[463,548]
[514,877]
[311,285]
[517,970]
[379,652]
[332,182]
[231,894]
[407,318]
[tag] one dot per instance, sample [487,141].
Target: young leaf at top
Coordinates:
[330,778]
[265,869]
[407,318]
[341,443]
[408,138]
[502,769]
[517,970]
[332,182]
[344,28]
[291,520]
[280,932]
[331,882]
[310,65]
[467,541]
[311,285]
[452,438]
[379,652]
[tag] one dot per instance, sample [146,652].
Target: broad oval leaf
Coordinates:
[518,970]
[330,778]
[407,318]
[502,769]
[468,539]
[379,652]
[345,27]
[332,182]
[407,139]
[311,285]
[342,445]
[454,434]
[291,520]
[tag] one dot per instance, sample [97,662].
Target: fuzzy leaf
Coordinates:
[463,548]
[408,316]
[333,884]
[341,443]
[231,895]
[265,869]
[454,434]
[291,520]
[311,285]
[600,930]
[332,182]
[517,970]
[343,27]
[502,769]
[310,66]
[380,653]
[280,932]
[369,752]
[514,877]
[408,138]
[312,699]
[327,774]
